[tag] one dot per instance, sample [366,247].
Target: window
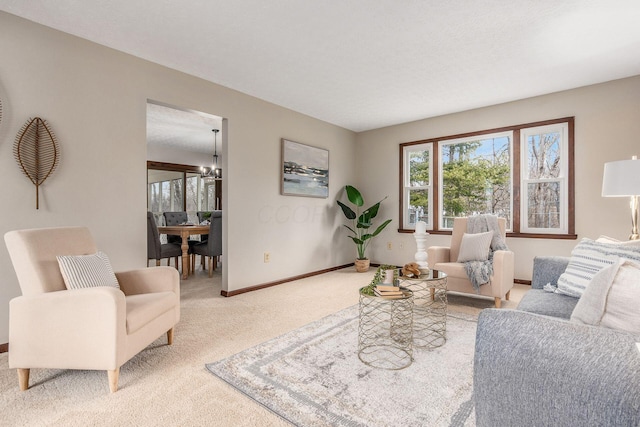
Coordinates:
[194,189]
[544,179]
[523,173]
[476,177]
[172,187]
[417,185]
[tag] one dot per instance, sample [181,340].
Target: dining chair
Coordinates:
[157,250]
[175,218]
[202,215]
[212,248]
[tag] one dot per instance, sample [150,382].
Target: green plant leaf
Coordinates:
[354,196]
[348,212]
[356,240]
[381,227]
[372,211]
[350,229]
[362,223]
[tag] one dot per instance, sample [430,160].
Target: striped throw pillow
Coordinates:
[587,259]
[87,271]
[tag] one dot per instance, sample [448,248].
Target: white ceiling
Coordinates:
[179,129]
[365,64]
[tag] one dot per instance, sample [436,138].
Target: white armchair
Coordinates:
[444,259]
[97,328]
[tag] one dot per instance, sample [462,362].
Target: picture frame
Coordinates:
[304,170]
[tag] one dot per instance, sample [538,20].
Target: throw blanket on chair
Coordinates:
[479,272]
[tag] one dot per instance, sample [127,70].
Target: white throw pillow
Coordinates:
[587,259]
[475,247]
[612,298]
[627,243]
[87,271]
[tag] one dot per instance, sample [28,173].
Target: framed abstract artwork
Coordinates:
[305,170]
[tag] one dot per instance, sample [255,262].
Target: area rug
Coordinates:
[312,376]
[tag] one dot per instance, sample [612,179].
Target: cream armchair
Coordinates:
[97,328]
[444,259]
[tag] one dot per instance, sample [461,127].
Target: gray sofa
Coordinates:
[535,368]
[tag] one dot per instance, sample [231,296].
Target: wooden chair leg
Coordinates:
[498,302]
[508,294]
[210,261]
[113,379]
[157,263]
[170,336]
[23,379]
[215,262]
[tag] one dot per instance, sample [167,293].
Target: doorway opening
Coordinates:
[181,144]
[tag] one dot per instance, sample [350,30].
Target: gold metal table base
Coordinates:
[430,309]
[385,331]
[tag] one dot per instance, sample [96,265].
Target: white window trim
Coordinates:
[441,144]
[563,129]
[407,184]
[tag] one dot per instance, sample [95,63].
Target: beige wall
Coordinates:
[607,128]
[95,98]
[95,101]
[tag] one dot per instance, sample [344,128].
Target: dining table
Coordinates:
[184,231]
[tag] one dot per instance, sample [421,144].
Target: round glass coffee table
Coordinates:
[385,331]
[430,308]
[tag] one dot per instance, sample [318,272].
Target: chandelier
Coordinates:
[214,172]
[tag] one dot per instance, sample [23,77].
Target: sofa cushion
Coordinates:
[587,259]
[475,247]
[612,298]
[87,271]
[143,308]
[547,303]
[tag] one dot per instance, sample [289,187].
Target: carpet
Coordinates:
[312,376]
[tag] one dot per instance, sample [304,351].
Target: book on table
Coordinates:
[388,291]
[387,288]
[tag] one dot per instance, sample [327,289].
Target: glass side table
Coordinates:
[385,331]
[430,308]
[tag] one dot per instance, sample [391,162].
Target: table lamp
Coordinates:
[622,179]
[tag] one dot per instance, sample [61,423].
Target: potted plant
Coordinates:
[360,224]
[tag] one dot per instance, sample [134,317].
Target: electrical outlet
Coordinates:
[389,246]
[267,257]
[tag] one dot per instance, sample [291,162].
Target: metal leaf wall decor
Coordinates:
[36,151]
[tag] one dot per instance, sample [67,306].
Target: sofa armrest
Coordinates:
[503,271]
[70,329]
[436,254]
[147,280]
[531,369]
[547,269]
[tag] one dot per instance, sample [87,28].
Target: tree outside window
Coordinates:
[522,173]
[476,178]
[544,178]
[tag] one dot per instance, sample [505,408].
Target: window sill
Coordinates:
[509,234]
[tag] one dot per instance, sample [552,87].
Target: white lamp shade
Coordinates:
[621,178]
